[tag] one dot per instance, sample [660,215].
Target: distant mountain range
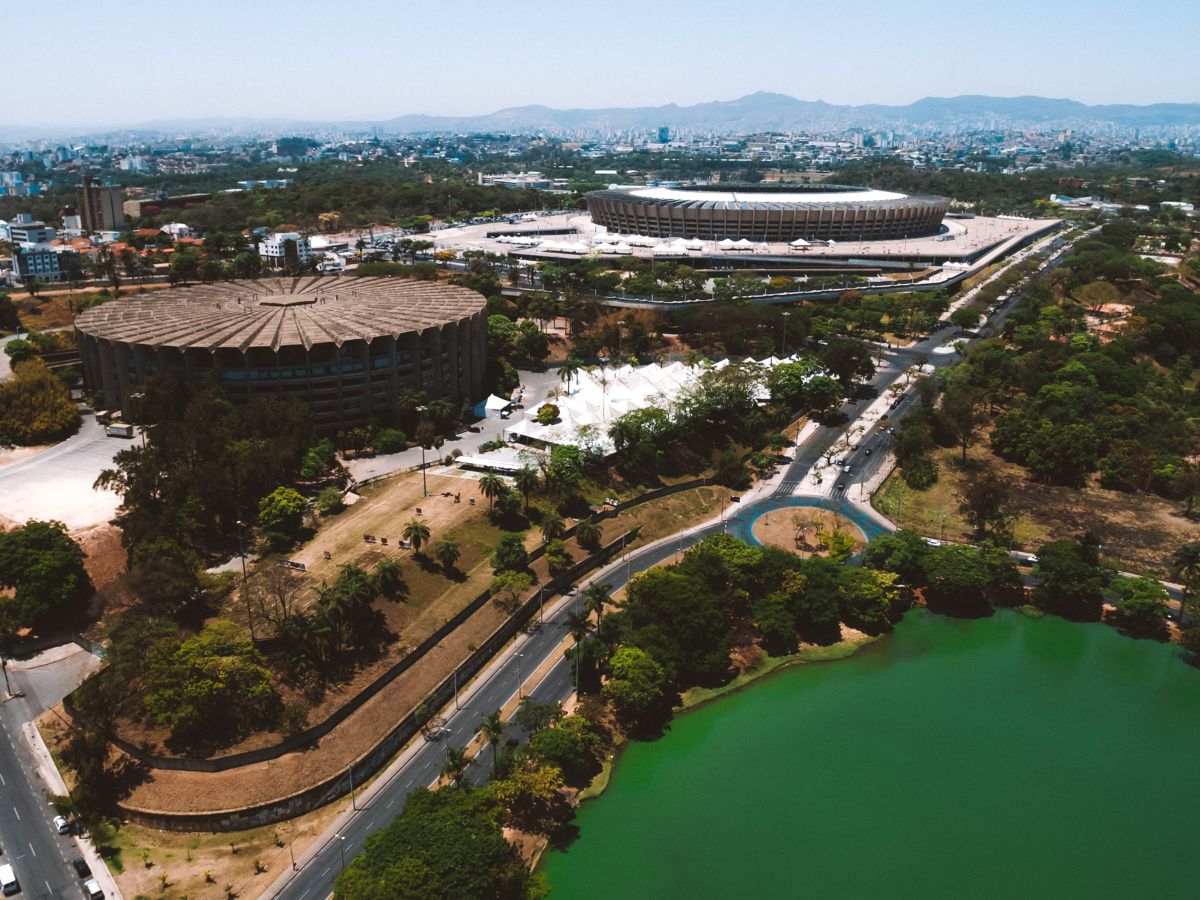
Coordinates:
[761,111]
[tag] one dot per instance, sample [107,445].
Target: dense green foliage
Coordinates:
[43,566]
[445,845]
[208,686]
[206,464]
[35,406]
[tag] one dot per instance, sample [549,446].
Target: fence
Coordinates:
[407,728]
[310,736]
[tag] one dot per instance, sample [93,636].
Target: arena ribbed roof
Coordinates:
[278,312]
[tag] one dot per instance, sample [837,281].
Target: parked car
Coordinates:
[91,890]
[61,823]
[82,869]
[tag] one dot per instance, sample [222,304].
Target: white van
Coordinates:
[91,890]
[8,880]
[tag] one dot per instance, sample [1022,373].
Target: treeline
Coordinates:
[354,203]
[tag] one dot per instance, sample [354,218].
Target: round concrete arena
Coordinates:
[773,213]
[346,346]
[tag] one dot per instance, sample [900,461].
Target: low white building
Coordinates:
[284,249]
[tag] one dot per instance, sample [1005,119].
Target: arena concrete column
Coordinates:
[412,346]
[452,390]
[435,353]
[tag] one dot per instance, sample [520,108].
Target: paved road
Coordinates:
[57,482]
[39,855]
[420,765]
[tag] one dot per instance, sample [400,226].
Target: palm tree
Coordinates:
[456,765]
[493,731]
[526,480]
[360,245]
[570,368]
[552,526]
[416,533]
[578,627]
[447,553]
[596,597]
[388,576]
[492,486]
[588,533]
[1185,563]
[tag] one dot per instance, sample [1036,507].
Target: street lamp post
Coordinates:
[519,656]
[350,772]
[783,345]
[245,592]
[342,847]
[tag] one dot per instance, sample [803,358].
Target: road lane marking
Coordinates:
[17,814]
[326,872]
[31,850]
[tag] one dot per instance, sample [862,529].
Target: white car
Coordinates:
[61,823]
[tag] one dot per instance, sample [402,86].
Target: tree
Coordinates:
[637,686]
[492,486]
[444,845]
[330,501]
[847,360]
[526,481]
[455,765]
[389,577]
[571,744]
[564,471]
[510,553]
[492,730]
[960,417]
[868,597]
[35,406]
[589,533]
[902,552]
[1185,564]
[986,502]
[547,414]
[512,584]
[957,577]
[43,566]
[18,350]
[1072,580]
[530,795]
[280,511]
[1142,606]
[213,684]
[447,553]
[965,318]
[570,368]
[596,596]
[553,526]
[676,620]
[416,533]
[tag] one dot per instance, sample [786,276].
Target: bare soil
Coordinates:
[798,530]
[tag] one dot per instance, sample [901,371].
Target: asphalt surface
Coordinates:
[39,855]
[420,765]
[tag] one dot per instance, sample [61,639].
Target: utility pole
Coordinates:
[350,772]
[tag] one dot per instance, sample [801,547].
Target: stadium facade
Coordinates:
[347,347]
[772,213]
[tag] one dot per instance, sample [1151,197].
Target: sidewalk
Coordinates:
[54,784]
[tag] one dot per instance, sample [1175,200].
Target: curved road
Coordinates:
[420,764]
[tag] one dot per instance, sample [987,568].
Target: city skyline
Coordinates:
[389,60]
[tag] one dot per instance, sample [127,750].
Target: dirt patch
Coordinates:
[105,557]
[1139,532]
[799,530]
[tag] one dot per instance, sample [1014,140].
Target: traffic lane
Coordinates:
[39,855]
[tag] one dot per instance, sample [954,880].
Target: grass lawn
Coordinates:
[934,512]
[1139,532]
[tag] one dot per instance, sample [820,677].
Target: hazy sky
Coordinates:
[102,63]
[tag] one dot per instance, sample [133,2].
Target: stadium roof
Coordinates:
[749,195]
[278,312]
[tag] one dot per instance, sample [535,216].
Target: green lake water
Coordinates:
[1000,757]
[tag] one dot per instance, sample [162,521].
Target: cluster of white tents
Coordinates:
[623,244]
[595,398]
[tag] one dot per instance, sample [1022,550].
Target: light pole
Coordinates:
[7,687]
[245,592]
[342,847]
[519,656]
[350,772]
[420,410]
[784,342]
[456,687]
